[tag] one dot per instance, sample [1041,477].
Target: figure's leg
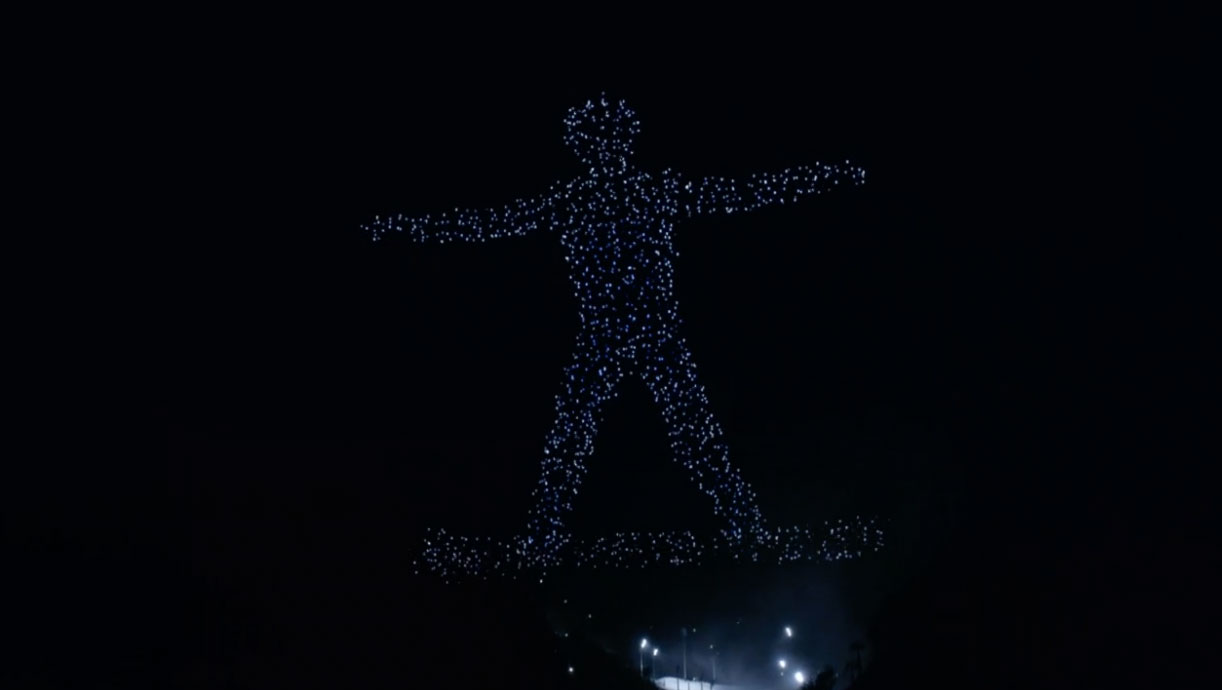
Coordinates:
[589,381]
[697,439]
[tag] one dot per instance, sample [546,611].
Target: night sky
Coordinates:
[903,350]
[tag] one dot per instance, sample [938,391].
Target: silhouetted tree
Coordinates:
[854,667]
[826,678]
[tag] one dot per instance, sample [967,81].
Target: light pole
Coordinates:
[781,663]
[714,664]
[641,656]
[683,633]
[653,674]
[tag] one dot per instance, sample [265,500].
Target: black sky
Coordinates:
[907,349]
[845,328]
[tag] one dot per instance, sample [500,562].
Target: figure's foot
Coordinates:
[450,555]
[747,544]
[454,556]
[539,550]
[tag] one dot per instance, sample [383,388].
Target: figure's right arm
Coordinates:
[475,225]
[726,195]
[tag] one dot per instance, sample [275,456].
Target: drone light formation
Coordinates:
[616,224]
[457,557]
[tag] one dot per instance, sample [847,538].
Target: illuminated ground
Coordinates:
[672,683]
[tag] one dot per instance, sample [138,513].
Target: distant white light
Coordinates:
[644,643]
[781,663]
[788,631]
[655,651]
[799,677]
[570,669]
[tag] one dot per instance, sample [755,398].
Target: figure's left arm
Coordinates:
[726,195]
[477,225]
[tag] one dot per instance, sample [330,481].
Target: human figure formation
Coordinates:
[616,223]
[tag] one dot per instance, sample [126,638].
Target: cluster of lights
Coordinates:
[455,557]
[616,225]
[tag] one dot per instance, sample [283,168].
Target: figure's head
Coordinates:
[601,134]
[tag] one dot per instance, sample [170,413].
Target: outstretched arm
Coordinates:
[724,195]
[474,225]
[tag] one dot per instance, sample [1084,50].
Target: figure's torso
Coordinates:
[619,250]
